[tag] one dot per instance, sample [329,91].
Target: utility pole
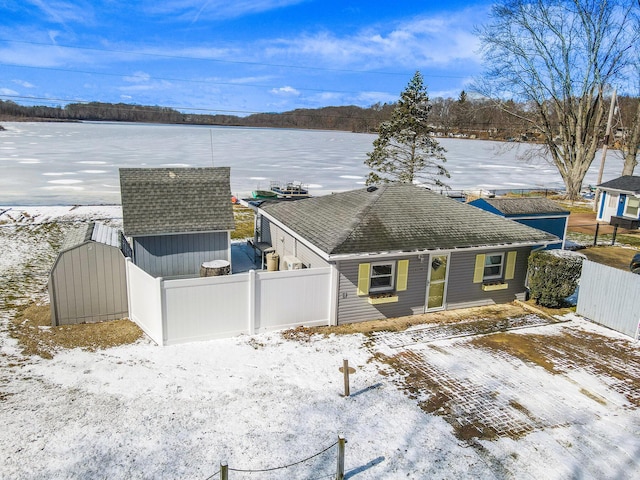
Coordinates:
[607,134]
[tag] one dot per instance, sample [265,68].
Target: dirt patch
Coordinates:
[399,324]
[617,257]
[615,359]
[31,326]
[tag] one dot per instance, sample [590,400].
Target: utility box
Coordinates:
[291,263]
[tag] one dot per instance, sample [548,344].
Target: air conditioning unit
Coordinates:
[291,262]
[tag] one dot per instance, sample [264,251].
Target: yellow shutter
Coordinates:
[363,278]
[403,275]
[511,266]
[478,273]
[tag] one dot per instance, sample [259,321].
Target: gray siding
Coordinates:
[181,254]
[286,244]
[88,284]
[462,292]
[354,308]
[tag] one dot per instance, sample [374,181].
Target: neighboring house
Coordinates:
[620,201]
[536,212]
[177,218]
[401,249]
[87,282]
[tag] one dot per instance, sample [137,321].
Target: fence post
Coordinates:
[252,302]
[345,372]
[224,471]
[340,469]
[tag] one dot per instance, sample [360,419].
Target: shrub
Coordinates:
[553,277]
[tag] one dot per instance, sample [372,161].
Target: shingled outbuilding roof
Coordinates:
[626,183]
[175,200]
[525,206]
[397,218]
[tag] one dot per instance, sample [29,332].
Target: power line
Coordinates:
[218,60]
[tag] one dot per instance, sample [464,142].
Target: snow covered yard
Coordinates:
[551,401]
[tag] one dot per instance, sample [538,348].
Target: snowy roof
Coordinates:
[397,217]
[175,200]
[92,231]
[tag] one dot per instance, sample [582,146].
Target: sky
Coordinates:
[237,57]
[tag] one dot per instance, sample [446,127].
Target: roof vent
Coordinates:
[372,188]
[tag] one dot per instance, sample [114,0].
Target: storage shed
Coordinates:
[87,282]
[177,218]
[536,212]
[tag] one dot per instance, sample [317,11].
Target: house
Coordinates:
[87,282]
[177,218]
[536,212]
[400,249]
[619,202]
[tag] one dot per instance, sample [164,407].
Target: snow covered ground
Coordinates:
[265,401]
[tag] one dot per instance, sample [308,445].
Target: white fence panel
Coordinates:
[145,301]
[609,296]
[206,308]
[292,298]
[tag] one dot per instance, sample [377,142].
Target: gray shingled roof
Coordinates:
[175,200]
[525,206]
[398,217]
[626,183]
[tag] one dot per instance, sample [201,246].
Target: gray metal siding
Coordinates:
[181,254]
[354,308]
[286,244]
[88,284]
[462,292]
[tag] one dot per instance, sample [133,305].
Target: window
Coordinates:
[381,278]
[493,266]
[632,206]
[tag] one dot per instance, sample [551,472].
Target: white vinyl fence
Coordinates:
[187,310]
[610,297]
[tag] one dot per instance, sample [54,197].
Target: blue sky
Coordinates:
[237,56]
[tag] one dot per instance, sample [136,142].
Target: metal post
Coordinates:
[595,237]
[345,369]
[340,469]
[224,471]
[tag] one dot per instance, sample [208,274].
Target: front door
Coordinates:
[437,282]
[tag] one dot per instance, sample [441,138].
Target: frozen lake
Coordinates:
[77,163]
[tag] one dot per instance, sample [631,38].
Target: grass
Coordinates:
[31,327]
[244,222]
[617,257]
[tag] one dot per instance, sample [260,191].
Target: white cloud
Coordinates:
[7,91]
[194,10]
[24,83]
[138,77]
[289,91]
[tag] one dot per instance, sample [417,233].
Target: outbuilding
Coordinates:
[536,212]
[87,282]
[177,218]
[620,202]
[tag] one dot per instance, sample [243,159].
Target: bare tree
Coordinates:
[559,56]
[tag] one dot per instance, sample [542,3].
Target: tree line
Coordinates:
[462,117]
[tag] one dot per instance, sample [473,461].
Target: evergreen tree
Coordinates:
[404,151]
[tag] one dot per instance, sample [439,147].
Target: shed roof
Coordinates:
[626,183]
[397,217]
[94,231]
[175,200]
[525,206]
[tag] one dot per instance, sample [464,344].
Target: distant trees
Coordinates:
[404,150]
[558,57]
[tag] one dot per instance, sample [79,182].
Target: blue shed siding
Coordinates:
[555,226]
[179,255]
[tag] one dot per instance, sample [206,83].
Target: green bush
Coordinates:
[553,277]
